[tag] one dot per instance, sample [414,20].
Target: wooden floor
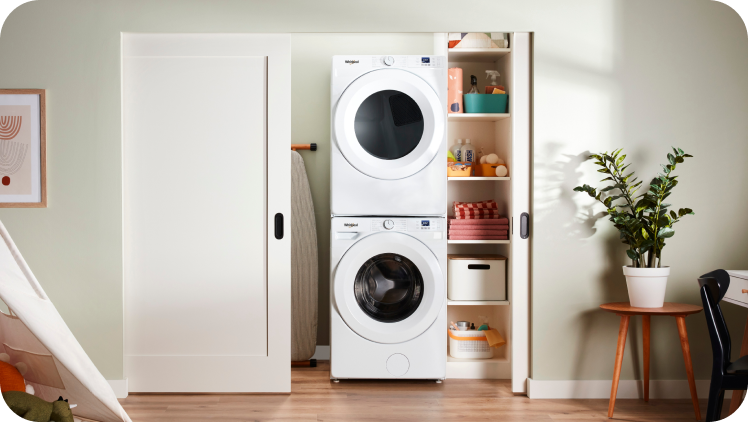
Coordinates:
[315,398]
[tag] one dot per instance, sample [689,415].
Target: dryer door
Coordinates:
[388,287]
[389,124]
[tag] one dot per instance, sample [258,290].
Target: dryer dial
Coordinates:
[389,60]
[389,224]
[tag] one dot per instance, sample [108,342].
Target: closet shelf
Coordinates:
[467,179]
[477,117]
[476,54]
[478,302]
[478,242]
[494,359]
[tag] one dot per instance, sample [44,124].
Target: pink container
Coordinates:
[454,91]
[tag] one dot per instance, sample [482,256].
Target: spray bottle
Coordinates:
[494,75]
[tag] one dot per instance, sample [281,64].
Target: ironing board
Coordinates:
[35,334]
[303,264]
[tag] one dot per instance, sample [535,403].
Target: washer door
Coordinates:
[389,124]
[388,287]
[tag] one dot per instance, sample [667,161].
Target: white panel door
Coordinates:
[207,281]
[521,112]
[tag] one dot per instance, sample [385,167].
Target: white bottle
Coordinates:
[468,152]
[457,150]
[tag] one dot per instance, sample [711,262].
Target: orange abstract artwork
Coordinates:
[15,141]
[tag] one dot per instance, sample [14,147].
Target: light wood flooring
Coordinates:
[315,398]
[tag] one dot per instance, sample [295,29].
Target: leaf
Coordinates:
[605,170]
[632,255]
[620,159]
[685,211]
[688,155]
[680,151]
[607,178]
[673,215]
[607,188]
[671,158]
[665,232]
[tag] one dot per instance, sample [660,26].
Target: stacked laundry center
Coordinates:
[478,221]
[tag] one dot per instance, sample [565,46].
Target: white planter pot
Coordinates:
[646,286]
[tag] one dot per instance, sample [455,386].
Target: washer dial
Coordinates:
[389,60]
[389,224]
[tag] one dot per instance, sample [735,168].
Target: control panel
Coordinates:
[408,61]
[388,224]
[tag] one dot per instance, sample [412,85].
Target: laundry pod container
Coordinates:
[476,277]
[469,345]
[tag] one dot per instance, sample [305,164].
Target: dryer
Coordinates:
[388,128]
[388,298]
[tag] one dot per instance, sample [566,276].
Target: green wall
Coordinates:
[642,75]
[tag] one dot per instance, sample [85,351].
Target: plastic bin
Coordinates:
[485,103]
[469,345]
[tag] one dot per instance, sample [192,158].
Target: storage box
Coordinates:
[469,345]
[486,170]
[485,103]
[476,277]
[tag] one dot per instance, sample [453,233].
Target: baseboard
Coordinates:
[322,353]
[600,389]
[119,387]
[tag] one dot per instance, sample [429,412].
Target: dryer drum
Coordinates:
[388,287]
[389,124]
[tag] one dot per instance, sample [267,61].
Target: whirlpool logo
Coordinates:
[351,224]
[351,62]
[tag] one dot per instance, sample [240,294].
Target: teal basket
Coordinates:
[485,103]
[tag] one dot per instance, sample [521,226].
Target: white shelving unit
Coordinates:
[476,179]
[477,117]
[508,136]
[478,302]
[481,55]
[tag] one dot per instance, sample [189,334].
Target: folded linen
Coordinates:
[469,222]
[483,227]
[478,232]
[469,210]
[478,237]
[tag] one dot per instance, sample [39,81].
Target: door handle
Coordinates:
[524,225]
[279,226]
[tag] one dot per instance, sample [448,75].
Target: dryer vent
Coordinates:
[404,110]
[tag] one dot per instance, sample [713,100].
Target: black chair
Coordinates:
[726,375]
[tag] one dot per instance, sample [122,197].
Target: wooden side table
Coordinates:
[626,311]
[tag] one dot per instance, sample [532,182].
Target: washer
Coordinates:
[388,298]
[388,131]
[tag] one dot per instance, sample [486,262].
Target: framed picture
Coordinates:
[23,152]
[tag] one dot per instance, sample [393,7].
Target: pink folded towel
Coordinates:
[470,222]
[453,232]
[482,227]
[478,237]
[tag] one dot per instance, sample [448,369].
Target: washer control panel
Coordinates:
[388,224]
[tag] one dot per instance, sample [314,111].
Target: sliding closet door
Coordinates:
[521,111]
[206,143]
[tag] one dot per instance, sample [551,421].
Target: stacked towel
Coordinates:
[478,221]
[476,210]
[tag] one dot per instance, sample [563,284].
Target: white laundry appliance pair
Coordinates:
[388,205]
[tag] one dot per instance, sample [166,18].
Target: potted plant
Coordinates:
[644,221]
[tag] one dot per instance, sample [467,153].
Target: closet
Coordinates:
[509,136]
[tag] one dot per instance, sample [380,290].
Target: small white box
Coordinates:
[476,277]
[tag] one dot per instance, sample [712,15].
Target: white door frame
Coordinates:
[271,373]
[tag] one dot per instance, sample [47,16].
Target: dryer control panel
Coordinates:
[408,61]
[388,224]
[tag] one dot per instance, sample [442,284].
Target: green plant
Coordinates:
[644,221]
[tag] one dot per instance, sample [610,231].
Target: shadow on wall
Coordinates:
[576,221]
